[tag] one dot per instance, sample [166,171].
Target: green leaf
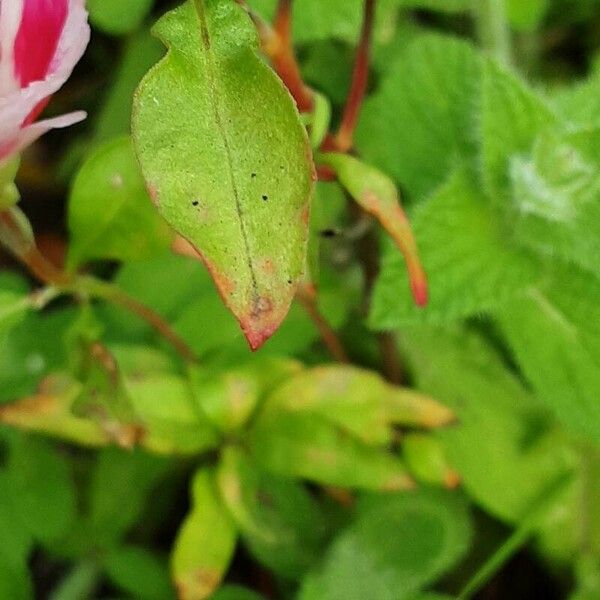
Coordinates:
[426,458]
[17,539]
[50,412]
[280,521]
[205,542]
[139,572]
[166,407]
[167,284]
[356,400]
[323,19]
[140,52]
[470,265]
[13,308]
[555,205]
[512,115]
[110,214]
[398,544]
[120,485]
[229,398]
[579,103]
[31,350]
[420,135]
[377,195]
[498,422]
[527,16]
[42,488]
[242,200]
[553,330]
[116,17]
[310,446]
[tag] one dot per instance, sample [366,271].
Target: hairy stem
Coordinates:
[494,31]
[360,80]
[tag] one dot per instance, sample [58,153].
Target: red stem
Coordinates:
[360,79]
[284,58]
[307,298]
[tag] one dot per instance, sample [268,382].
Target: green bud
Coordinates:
[9,194]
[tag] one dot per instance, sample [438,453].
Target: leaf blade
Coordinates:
[237,184]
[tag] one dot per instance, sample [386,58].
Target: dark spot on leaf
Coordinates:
[328,233]
[265,197]
[195,202]
[290,281]
[253,175]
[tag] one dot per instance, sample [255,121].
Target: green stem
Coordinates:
[494,30]
[528,526]
[103,290]
[80,583]
[16,235]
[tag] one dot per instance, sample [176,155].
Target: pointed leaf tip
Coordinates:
[377,194]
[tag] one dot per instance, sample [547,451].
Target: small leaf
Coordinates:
[307,445]
[378,195]
[42,488]
[398,544]
[49,411]
[237,184]
[205,542]
[119,490]
[280,521]
[166,408]
[356,400]
[425,457]
[110,214]
[471,265]
[13,308]
[229,398]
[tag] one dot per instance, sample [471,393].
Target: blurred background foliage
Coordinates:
[127,473]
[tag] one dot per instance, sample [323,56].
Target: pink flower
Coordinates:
[40,43]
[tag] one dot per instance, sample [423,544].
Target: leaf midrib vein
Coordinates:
[205,41]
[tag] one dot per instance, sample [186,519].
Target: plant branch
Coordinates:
[344,139]
[281,52]
[17,237]
[106,291]
[307,297]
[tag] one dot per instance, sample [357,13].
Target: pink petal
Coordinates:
[42,23]
[19,106]
[30,134]
[10,18]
